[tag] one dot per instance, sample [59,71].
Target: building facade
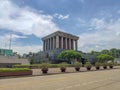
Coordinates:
[55,43]
[60,40]
[6,52]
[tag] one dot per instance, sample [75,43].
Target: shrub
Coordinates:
[13,69]
[44,65]
[77,64]
[105,64]
[97,64]
[54,65]
[88,64]
[63,65]
[110,64]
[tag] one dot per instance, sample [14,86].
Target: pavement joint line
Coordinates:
[68,87]
[77,85]
[60,89]
[84,84]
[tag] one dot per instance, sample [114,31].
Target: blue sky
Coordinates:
[96,22]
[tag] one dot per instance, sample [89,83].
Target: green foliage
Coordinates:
[40,65]
[88,64]
[13,69]
[45,65]
[110,64]
[104,58]
[69,54]
[53,65]
[105,64]
[63,65]
[112,52]
[31,61]
[95,53]
[105,51]
[25,66]
[77,64]
[98,64]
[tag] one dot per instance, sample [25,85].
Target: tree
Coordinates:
[115,52]
[70,55]
[105,51]
[95,53]
[31,61]
[104,58]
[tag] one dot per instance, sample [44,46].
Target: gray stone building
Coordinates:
[53,44]
[59,40]
[9,61]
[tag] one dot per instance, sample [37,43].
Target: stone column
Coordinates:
[61,42]
[76,47]
[57,41]
[43,45]
[53,42]
[50,43]
[69,43]
[72,44]
[46,44]
[66,43]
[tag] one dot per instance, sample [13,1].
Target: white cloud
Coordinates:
[98,23]
[5,39]
[27,49]
[60,16]
[25,20]
[105,35]
[118,12]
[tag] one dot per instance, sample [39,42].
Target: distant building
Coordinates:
[8,58]
[60,40]
[53,44]
[117,60]
[6,52]
[9,61]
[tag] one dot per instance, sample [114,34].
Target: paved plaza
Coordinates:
[93,80]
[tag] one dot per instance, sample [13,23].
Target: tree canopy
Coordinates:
[104,58]
[112,52]
[70,55]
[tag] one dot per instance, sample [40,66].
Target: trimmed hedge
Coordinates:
[40,65]
[13,69]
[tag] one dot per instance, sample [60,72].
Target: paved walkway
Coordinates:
[53,71]
[97,80]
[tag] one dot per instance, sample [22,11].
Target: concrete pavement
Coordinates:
[97,80]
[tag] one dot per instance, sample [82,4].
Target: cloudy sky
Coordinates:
[96,22]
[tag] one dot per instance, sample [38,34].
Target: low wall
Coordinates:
[19,73]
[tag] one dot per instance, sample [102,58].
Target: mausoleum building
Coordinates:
[60,40]
[53,44]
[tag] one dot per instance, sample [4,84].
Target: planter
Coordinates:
[44,70]
[105,67]
[18,73]
[77,68]
[88,68]
[111,67]
[97,67]
[63,69]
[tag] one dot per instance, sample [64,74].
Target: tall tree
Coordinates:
[104,58]
[70,55]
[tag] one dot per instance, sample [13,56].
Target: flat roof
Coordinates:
[60,33]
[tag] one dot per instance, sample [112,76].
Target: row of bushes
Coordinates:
[44,67]
[60,65]
[13,69]
[41,65]
[77,65]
